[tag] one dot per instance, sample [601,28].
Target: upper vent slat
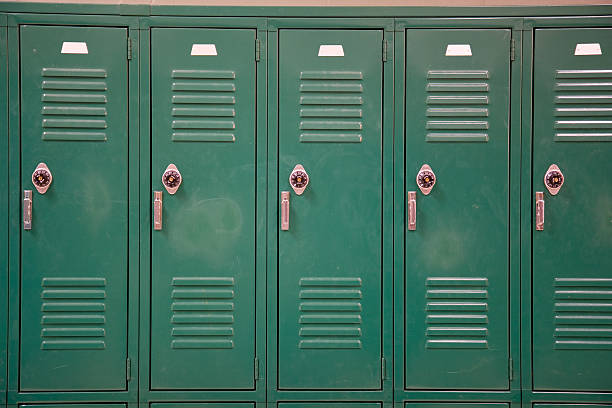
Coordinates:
[463,89]
[74,100]
[335,95]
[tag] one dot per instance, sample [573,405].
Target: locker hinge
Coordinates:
[257,49]
[512,49]
[256,368]
[385,50]
[128,369]
[129,48]
[510,370]
[383,368]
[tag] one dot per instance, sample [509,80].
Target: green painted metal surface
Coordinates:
[4,211]
[202,405]
[572,267]
[74,259]
[328,404]
[456,290]
[203,258]
[454,405]
[329,261]
[73,405]
[205,286]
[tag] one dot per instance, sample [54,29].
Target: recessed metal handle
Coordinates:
[539,211]
[27,209]
[412,211]
[158,204]
[285,210]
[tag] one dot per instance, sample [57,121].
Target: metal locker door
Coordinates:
[572,238]
[3,210]
[74,156]
[329,257]
[457,236]
[203,255]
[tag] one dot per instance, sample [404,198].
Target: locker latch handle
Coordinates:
[412,211]
[539,211]
[158,204]
[285,210]
[27,209]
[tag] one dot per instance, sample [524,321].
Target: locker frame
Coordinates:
[4,210]
[274,393]
[513,393]
[14,394]
[529,395]
[146,395]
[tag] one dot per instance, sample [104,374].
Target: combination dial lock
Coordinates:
[42,178]
[553,179]
[171,179]
[298,179]
[425,179]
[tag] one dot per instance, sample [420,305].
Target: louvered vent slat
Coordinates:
[583,105]
[455,96]
[74,104]
[202,106]
[457,313]
[73,314]
[202,313]
[583,314]
[330,313]
[330,111]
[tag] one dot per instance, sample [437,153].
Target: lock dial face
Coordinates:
[298,179]
[553,179]
[425,179]
[171,179]
[42,178]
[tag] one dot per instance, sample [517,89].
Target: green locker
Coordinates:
[73,406]
[454,405]
[203,238]
[3,210]
[330,203]
[572,193]
[457,232]
[329,405]
[202,405]
[74,156]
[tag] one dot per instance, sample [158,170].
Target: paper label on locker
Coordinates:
[203,49]
[331,51]
[588,49]
[458,50]
[70,47]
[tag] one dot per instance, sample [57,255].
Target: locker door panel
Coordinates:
[572,267]
[329,276]
[74,269]
[329,405]
[3,210]
[203,258]
[456,293]
[454,405]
